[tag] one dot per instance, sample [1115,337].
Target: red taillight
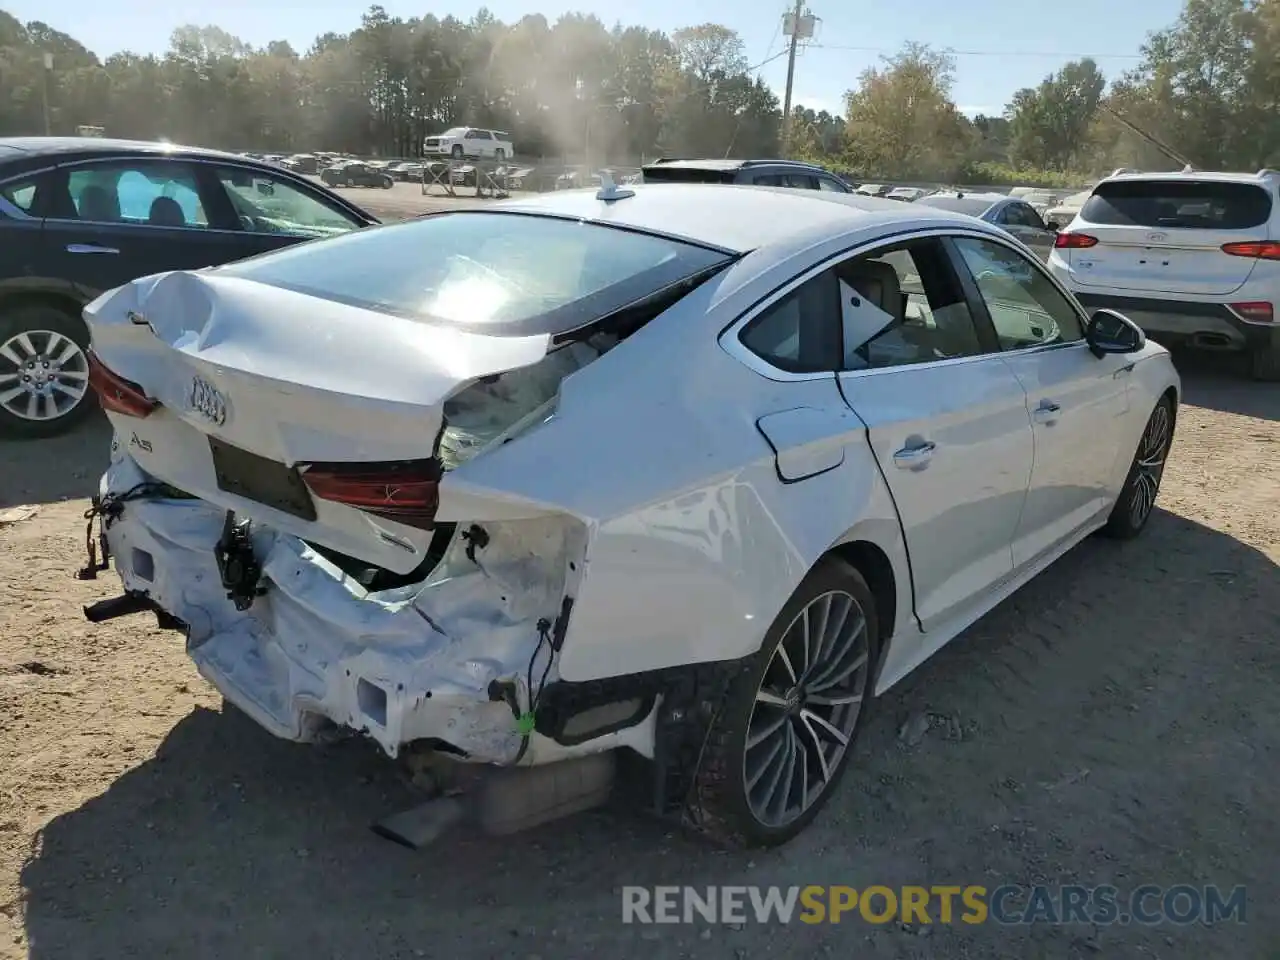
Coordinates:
[1255,311]
[1074,241]
[406,491]
[117,394]
[1256,249]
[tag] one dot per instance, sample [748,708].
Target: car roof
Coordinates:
[698,163]
[1263,176]
[727,216]
[88,146]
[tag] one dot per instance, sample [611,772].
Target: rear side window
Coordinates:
[1178,204]
[666,174]
[500,274]
[21,193]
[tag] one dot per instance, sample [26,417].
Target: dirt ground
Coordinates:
[1117,721]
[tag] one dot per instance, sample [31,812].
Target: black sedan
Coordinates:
[79,216]
[356,174]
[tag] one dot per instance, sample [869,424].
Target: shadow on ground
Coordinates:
[65,467]
[1221,381]
[1077,734]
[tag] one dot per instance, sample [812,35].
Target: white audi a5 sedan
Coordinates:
[691,471]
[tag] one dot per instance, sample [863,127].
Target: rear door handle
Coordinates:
[916,456]
[1047,412]
[90,248]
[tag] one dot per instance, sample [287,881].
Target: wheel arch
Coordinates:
[876,550]
[55,299]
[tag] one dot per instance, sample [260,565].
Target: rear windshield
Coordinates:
[1178,204]
[974,208]
[687,175]
[499,273]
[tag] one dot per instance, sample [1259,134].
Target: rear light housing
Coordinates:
[1254,311]
[1255,249]
[405,491]
[115,393]
[1074,241]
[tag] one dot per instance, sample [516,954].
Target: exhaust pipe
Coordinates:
[1212,341]
[121,606]
[508,800]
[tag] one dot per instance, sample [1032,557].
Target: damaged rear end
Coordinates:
[288,475]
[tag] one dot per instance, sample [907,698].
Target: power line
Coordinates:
[989,53]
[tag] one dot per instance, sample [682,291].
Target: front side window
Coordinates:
[799,181]
[157,193]
[829,185]
[268,204]
[903,306]
[1026,309]
[501,274]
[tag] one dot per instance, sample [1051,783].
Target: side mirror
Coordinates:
[1113,332]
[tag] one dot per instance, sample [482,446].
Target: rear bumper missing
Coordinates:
[412,664]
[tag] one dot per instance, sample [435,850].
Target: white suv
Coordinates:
[1191,257]
[462,142]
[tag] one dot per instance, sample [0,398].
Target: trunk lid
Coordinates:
[254,379]
[1166,236]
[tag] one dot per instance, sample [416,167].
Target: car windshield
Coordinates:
[454,132]
[974,208]
[504,274]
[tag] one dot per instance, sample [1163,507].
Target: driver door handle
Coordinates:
[90,248]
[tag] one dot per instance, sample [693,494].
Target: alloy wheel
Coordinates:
[806,709]
[1149,465]
[44,375]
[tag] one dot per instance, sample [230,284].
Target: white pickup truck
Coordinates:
[460,142]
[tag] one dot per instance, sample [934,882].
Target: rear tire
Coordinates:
[1264,364]
[774,756]
[49,330]
[1137,498]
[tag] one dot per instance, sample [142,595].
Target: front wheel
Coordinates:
[1133,507]
[500,155]
[387,184]
[44,372]
[456,152]
[781,742]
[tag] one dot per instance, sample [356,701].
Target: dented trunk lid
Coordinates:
[253,380]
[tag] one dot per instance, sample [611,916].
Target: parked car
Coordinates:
[906,194]
[470,142]
[1193,256]
[1056,218]
[405,170]
[873,189]
[303,163]
[80,216]
[356,173]
[368,535]
[759,173]
[1010,213]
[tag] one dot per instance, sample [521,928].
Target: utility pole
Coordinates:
[44,89]
[791,75]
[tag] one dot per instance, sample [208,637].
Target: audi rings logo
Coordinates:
[206,400]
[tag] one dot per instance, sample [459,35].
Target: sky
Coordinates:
[1000,45]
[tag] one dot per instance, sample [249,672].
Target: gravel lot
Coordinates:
[1115,722]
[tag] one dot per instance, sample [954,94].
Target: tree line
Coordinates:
[1207,88]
